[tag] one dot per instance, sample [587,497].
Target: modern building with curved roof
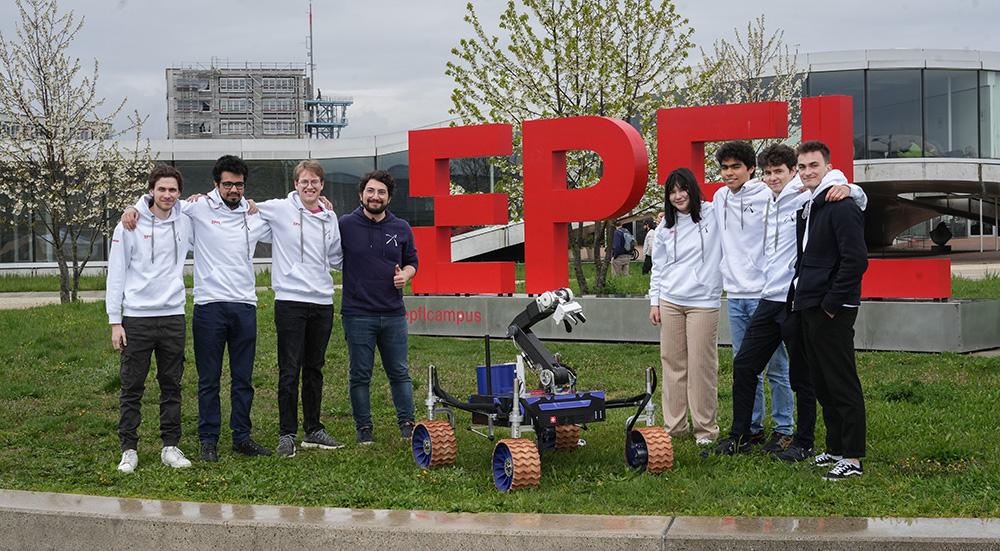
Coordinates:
[926,134]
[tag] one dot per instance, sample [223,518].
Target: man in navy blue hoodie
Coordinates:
[379,258]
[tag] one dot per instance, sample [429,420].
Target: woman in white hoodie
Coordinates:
[684,292]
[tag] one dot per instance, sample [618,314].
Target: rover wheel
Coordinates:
[516,464]
[433,444]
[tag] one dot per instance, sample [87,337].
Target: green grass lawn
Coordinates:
[931,417]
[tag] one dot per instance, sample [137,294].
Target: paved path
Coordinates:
[37,520]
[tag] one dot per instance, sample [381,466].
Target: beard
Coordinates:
[374,210]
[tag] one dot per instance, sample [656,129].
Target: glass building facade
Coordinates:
[268,179]
[900,113]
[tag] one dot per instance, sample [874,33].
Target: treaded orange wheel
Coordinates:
[433,444]
[649,449]
[567,437]
[516,464]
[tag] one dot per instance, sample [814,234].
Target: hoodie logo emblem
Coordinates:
[216,222]
[146,236]
[391,239]
[295,223]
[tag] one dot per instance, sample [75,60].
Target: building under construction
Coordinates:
[249,100]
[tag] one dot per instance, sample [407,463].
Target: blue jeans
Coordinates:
[389,333]
[214,327]
[782,401]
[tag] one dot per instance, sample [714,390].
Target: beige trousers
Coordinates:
[620,263]
[690,358]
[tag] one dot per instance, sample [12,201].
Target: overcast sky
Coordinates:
[390,55]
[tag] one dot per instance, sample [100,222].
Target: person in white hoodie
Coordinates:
[773,321]
[225,303]
[306,241]
[145,304]
[685,287]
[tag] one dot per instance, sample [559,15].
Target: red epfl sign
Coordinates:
[549,206]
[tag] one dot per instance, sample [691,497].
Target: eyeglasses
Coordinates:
[376,192]
[231,185]
[313,183]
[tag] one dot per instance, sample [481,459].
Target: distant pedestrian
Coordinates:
[622,245]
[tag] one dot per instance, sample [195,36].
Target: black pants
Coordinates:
[829,350]
[163,336]
[771,325]
[303,333]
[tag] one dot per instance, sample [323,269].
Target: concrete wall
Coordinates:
[956,326]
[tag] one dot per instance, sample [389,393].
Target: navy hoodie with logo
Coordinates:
[372,250]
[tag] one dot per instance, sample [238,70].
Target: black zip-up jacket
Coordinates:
[828,272]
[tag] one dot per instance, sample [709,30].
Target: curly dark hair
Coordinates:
[739,151]
[229,163]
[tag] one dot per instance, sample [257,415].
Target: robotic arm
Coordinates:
[559,305]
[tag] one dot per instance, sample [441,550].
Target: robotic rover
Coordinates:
[555,411]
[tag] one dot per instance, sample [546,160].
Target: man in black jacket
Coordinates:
[827,291]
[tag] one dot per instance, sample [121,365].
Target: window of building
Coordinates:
[951,117]
[234,105]
[895,126]
[845,83]
[278,105]
[279,127]
[193,105]
[193,85]
[194,127]
[234,84]
[235,128]
[989,114]
[278,83]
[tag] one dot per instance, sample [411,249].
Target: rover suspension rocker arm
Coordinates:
[560,306]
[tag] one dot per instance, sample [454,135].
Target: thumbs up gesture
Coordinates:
[399,278]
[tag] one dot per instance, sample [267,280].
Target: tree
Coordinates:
[60,171]
[758,67]
[565,58]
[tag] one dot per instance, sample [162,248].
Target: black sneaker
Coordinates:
[406,430]
[320,439]
[209,452]
[730,445]
[777,444]
[756,438]
[250,448]
[365,435]
[286,445]
[843,470]
[826,459]
[794,453]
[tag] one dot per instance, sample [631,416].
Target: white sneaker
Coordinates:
[130,460]
[172,456]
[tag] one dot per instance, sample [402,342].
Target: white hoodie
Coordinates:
[306,247]
[146,266]
[779,231]
[740,217]
[223,249]
[686,262]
